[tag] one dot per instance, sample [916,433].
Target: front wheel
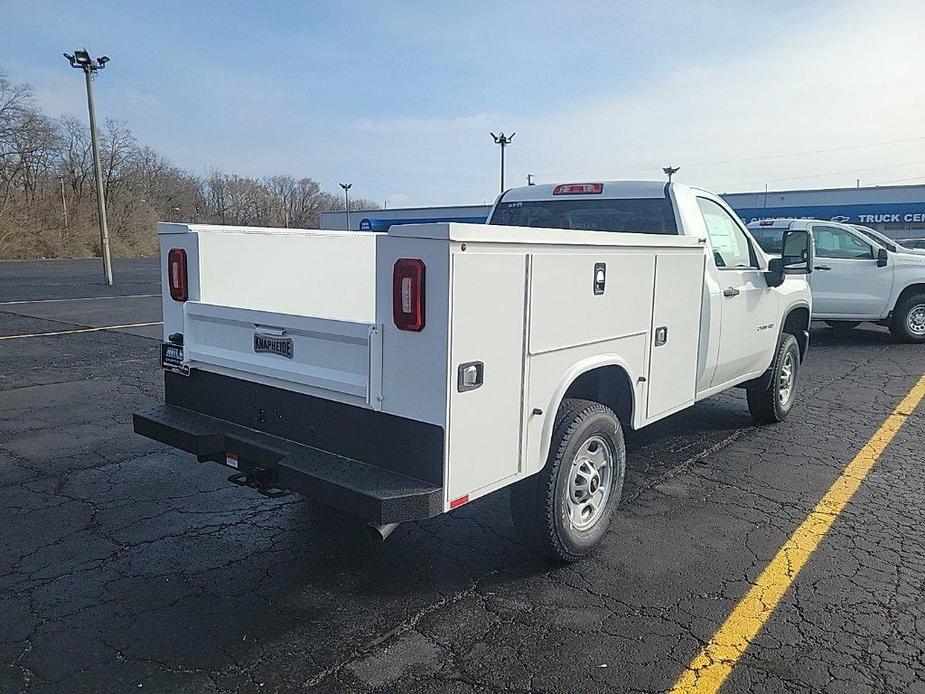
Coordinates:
[773,404]
[908,323]
[566,508]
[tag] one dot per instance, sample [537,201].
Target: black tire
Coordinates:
[843,326]
[901,326]
[540,504]
[767,405]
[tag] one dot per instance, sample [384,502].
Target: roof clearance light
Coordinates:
[766,223]
[578,189]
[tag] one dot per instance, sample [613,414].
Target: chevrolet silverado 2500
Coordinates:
[858,279]
[400,375]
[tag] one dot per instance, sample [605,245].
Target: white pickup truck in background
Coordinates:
[400,375]
[892,245]
[858,278]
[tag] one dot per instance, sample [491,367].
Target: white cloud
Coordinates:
[847,78]
[687,84]
[850,82]
[429,125]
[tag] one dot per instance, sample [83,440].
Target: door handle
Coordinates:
[470,376]
[730,291]
[822,267]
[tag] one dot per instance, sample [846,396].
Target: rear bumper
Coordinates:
[369,492]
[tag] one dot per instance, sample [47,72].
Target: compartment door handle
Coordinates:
[470,375]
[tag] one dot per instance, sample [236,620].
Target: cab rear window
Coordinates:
[770,239]
[634,215]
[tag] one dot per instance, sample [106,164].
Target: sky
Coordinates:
[399,97]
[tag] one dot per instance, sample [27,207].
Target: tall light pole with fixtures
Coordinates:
[81,60]
[502,140]
[671,171]
[347,187]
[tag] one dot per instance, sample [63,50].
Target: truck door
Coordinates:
[486,376]
[749,310]
[846,280]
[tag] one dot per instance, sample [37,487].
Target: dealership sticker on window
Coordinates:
[231,460]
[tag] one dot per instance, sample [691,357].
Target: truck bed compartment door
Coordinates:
[485,370]
[675,333]
[338,359]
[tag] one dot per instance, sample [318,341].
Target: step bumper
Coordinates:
[274,465]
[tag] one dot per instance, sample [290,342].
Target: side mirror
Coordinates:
[883,258]
[796,258]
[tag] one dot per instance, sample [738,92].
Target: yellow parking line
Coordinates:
[80,330]
[715,662]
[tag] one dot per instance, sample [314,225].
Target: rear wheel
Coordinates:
[843,326]
[773,403]
[908,323]
[567,507]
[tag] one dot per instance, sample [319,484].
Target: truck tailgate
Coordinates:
[339,358]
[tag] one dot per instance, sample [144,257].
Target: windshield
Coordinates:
[876,237]
[639,215]
[770,239]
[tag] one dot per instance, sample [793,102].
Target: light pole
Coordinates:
[63,202]
[347,187]
[671,171]
[82,60]
[504,141]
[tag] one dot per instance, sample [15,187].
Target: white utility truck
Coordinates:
[857,278]
[400,375]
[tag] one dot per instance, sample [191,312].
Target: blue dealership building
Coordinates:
[898,211]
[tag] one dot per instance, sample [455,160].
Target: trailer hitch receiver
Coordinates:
[262,479]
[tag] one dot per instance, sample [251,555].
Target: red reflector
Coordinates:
[408,294]
[176,274]
[578,188]
[456,503]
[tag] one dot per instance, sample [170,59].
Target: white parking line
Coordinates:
[77,298]
[80,330]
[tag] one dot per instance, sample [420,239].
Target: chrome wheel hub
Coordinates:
[589,486]
[787,379]
[915,320]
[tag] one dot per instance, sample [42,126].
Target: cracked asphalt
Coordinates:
[127,565]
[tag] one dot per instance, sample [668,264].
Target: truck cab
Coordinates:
[858,278]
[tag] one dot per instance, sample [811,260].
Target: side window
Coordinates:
[832,242]
[731,247]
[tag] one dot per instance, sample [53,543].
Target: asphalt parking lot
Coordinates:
[125,565]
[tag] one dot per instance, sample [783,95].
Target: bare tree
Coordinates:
[42,161]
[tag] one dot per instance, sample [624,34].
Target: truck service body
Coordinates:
[400,375]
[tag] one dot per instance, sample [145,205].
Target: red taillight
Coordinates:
[176,274]
[408,294]
[578,189]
